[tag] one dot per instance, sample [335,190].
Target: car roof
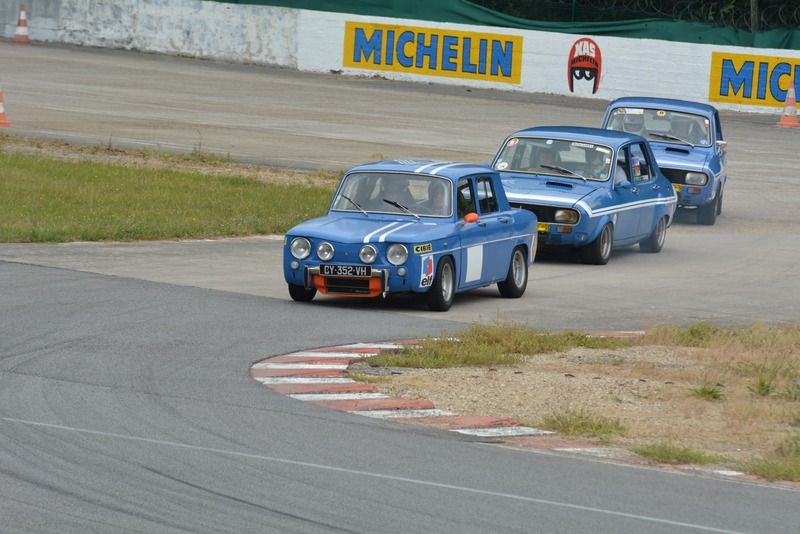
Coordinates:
[612,138]
[670,104]
[446,169]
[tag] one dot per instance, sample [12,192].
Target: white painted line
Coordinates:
[723,472]
[392,414]
[368,474]
[337,396]
[376,346]
[600,452]
[320,366]
[304,380]
[502,431]
[326,354]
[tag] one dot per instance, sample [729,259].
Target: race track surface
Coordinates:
[125,399]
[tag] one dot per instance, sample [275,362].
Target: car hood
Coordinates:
[680,157]
[545,189]
[373,229]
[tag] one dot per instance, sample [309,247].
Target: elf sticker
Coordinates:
[426,273]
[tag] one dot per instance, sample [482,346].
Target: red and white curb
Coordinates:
[318,376]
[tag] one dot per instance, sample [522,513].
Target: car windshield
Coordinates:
[558,157]
[662,125]
[403,193]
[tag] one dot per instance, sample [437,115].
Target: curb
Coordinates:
[319,376]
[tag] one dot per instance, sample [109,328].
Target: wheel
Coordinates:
[517,279]
[301,294]
[598,251]
[708,214]
[655,241]
[719,203]
[443,288]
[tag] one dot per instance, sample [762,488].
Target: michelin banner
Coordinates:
[752,80]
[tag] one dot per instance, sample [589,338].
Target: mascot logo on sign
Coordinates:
[585,63]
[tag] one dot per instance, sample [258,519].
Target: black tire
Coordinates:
[655,241]
[719,203]
[598,252]
[708,214]
[513,287]
[443,289]
[301,294]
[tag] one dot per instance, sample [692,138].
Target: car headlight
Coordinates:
[368,254]
[300,248]
[325,251]
[696,178]
[397,254]
[566,216]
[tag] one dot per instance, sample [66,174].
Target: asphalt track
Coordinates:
[125,399]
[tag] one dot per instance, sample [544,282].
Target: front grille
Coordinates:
[676,176]
[347,285]
[545,214]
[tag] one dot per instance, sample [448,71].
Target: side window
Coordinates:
[639,165]
[621,171]
[718,127]
[466,200]
[486,199]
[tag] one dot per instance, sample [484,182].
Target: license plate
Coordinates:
[543,228]
[361,271]
[677,187]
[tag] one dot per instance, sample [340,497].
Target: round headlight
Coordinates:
[300,248]
[325,251]
[368,254]
[566,216]
[397,254]
[696,178]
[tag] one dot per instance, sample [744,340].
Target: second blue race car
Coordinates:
[590,188]
[434,228]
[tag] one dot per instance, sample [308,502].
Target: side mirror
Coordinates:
[721,145]
[471,217]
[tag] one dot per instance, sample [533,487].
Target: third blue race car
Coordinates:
[590,188]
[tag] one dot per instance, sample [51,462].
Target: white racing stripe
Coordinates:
[431,164]
[337,396]
[379,230]
[304,380]
[502,431]
[395,229]
[443,167]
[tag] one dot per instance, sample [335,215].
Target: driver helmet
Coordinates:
[633,123]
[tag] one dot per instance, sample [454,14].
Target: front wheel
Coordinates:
[598,252]
[443,289]
[301,294]
[708,214]
[655,241]
[517,279]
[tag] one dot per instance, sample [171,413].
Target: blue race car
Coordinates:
[435,228]
[590,189]
[686,138]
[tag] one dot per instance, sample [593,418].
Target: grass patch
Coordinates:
[368,379]
[783,464]
[763,387]
[583,423]
[707,391]
[668,453]
[480,345]
[45,199]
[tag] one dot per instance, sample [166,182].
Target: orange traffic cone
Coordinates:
[789,118]
[21,33]
[3,119]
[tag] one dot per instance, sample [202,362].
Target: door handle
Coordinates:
[504,220]
[656,187]
[635,190]
[481,224]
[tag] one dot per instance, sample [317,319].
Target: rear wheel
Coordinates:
[301,294]
[598,251]
[443,289]
[517,279]
[655,241]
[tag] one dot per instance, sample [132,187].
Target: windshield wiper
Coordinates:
[669,137]
[562,170]
[398,205]
[356,204]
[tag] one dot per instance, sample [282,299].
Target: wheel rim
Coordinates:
[518,268]
[605,242]
[447,282]
[662,232]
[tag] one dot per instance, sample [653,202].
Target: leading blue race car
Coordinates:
[686,138]
[434,228]
[591,189]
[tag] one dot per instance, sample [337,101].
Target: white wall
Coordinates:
[315,41]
